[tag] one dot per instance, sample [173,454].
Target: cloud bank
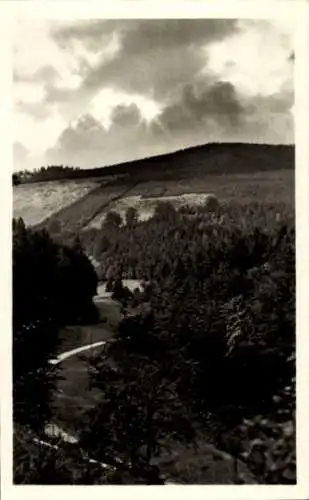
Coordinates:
[92,93]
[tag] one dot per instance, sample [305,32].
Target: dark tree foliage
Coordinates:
[59,463]
[52,286]
[113,220]
[16,179]
[219,158]
[120,293]
[49,173]
[210,346]
[131,216]
[222,297]
[139,408]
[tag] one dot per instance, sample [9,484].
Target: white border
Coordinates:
[298,9]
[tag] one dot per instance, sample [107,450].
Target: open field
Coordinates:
[92,202]
[242,188]
[36,202]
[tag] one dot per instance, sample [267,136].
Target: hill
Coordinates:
[241,172]
[216,158]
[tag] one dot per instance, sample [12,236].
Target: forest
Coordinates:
[44,174]
[207,359]
[218,158]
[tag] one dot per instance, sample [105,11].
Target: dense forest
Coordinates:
[209,354]
[219,158]
[48,173]
[221,308]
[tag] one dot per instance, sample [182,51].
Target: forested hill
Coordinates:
[220,158]
[210,158]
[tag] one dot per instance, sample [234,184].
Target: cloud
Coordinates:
[88,143]
[256,59]
[270,118]
[218,111]
[20,156]
[98,92]
[20,151]
[151,56]
[140,35]
[196,107]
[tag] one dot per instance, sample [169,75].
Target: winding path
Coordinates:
[72,352]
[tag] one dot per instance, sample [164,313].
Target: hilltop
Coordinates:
[208,158]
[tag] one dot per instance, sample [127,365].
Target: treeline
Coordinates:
[135,249]
[216,158]
[48,173]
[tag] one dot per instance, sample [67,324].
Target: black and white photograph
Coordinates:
[153,251]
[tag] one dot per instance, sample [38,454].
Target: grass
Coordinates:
[90,209]
[73,394]
[36,202]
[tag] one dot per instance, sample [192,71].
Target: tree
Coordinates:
[16,179]
[139,410]
[165,211]
[102,245]
[131,216]
[121,293]
[113,219]
[53,285]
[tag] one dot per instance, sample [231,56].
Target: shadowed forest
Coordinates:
[218,158]
[199,386]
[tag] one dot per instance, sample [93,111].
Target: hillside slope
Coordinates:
[35,202]
[241,172]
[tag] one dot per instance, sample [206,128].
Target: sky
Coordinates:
[91,93]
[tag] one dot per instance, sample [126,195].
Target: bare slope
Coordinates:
[35,202]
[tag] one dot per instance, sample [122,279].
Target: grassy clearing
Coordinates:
[35,202]
[243,188]
[73,394]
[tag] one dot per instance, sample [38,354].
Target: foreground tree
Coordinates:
[52,286]
[140,410]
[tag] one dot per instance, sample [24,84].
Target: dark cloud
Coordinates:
[217,111]
[166,61]
[125,116]
[201,113]
[154,55]
[142,35]
[269,118]
[278,103]
[217,102]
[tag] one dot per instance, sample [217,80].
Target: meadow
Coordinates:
[36,202]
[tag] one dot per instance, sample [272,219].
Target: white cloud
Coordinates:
[106,100]
[28,92]
[37,136]
[34,48]
[53,88]
[256,60]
